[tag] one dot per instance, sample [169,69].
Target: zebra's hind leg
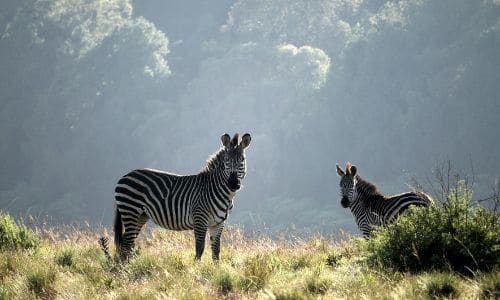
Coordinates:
[132,228]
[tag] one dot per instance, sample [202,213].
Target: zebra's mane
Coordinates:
[371,194]
[214,160]
[367,188]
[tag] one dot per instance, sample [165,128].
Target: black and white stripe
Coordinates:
[198,202]
[369,206]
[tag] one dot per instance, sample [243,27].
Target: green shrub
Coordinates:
[455,235]
[13,236]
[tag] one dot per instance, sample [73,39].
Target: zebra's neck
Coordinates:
[215,162]
[366,198]
[214,172]
[366,191]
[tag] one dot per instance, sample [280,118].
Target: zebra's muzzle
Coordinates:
[234,182]
[344,202]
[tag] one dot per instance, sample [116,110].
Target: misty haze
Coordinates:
[90,90]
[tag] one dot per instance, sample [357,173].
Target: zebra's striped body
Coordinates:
[198,202]
[369,206]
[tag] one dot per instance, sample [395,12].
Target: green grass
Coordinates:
[40,281]
[69,264]
[66,257]
[489,285]
[442,286]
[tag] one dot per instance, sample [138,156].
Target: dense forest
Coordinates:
[92,89]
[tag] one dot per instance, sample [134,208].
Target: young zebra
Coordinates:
[198,202]
[368,205]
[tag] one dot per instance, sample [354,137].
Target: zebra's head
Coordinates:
[234,158]
[347,184]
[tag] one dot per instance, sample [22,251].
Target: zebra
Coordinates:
[368,205]
[199,202]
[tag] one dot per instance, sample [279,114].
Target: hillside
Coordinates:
[68,264]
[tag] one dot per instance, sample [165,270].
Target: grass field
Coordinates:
[68,264]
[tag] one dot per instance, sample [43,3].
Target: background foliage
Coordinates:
[92,89]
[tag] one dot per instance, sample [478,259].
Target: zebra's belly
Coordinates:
[177,228]
[171,221]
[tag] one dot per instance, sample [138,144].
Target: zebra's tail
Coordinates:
[104,243]
[428,201]
[118,226]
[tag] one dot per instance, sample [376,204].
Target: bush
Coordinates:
[13,236]
[455,235]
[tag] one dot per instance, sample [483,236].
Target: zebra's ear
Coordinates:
[353,170]
[348,166]
[340,172]
[245,140]
[226,140]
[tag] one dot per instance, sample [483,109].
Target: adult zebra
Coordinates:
[368,205]
[198,202]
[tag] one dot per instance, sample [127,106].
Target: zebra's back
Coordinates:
[397,204]
[164,197]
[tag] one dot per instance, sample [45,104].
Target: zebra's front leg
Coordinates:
[200,232]
[215,233]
